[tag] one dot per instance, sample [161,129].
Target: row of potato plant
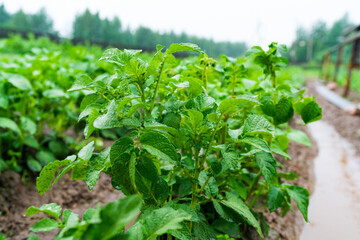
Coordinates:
[196,158]
[35,107]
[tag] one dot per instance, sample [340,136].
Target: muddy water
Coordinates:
[334,210]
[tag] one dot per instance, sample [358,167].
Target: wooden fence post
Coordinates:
[352,63]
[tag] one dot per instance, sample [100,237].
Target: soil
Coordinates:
[15,198]
[348,126]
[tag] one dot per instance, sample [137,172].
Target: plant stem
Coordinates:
[203,77]
[233,86]
[157,84]
[210,143]
[251,187]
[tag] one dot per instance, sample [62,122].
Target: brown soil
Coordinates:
[15,198]
[348,126]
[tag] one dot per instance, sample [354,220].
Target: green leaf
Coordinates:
[47,175]
[44,225]
[240,208]
[97,164]
[172,120]
[28,125]
[230,228]
[231,158]
[275,198]
[181,234]
[196,119]
[10,124]
[202,103]
[234,134]
[155,126]
[4,101]
[211,188]
[311,112]
[114,55]
[54,93]
[81,83]
[268,105]
[158,145]
[31,141]
[122,145]
[89,128]
[256,142]
[162,221]
[89,99]
[32,236]
[177,47]
[86,152]
[34,165]
[45,157]
[51,209]
[114,217]
[290,176]
[202,229]
[120,174]
[276,149]
[257,124]
[132,170]
[108,120]
[301,197]
[233,103]
[299,137]
[284,111]
[18,81]
[267,165]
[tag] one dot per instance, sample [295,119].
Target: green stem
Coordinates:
[253,201]
[254,183]
[194,182]
[102,95]
[157,84]
[233,86]
[210,143]
[205,183]
[203,77]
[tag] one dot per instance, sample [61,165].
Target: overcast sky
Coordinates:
[254,21]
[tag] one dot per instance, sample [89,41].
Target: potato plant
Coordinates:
[198,145]
[35,107]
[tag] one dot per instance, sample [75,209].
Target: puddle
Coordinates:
[334,210]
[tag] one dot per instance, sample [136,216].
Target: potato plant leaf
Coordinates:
[301,197]
[44,225]
[284,111]
[159,146]
[267,165]
[51,209]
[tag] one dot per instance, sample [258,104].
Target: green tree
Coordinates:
[41,22]
[4,15]
[20,21]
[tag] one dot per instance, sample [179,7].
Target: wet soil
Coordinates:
[335,203]
[15,198]
[348,126]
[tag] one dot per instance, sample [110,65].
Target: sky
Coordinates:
[256,22]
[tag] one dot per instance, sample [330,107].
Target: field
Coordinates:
[200,147]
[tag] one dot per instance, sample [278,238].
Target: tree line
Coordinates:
[310,45]
[91,27]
